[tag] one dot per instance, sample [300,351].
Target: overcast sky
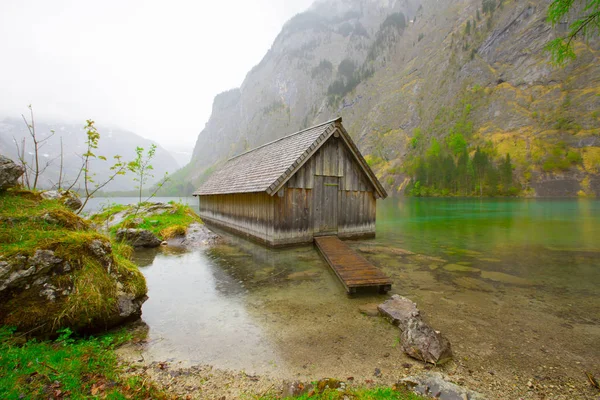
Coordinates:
[150,66]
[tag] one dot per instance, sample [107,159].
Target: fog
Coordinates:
[149,66]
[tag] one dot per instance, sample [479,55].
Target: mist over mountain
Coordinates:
[113,141]
[407,75]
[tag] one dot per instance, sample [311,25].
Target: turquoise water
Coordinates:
[547,241]
[487,224]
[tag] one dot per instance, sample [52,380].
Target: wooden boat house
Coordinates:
[311,183]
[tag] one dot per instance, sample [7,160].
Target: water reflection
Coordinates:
[196,313]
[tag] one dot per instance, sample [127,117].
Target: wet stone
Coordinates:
[422,342]
[399,310]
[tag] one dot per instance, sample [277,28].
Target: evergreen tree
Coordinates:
[506,173]
[480,166]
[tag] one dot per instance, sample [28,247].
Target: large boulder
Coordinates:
[85,288]
[9,173]
[399,310]
[138,237]
[422,342]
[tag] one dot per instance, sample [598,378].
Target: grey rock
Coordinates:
[100,248]
[49,292]
[4,268]
[422,342]
[129,306]
[9,173]
[199,235]
[399,310]
[436,384]
[43,259]
[18,274]
[68,198]
[72,200]
[138,237]
[51,195]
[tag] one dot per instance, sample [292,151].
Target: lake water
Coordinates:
[513,284]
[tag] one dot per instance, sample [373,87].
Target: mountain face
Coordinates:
[409,75]
[112,142]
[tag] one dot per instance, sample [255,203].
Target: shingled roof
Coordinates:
[268,167]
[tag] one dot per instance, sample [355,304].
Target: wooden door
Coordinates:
[326,205]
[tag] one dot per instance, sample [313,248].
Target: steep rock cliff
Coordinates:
[389,67]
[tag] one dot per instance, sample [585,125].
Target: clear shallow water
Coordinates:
[514,284]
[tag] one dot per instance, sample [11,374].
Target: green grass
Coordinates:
[69,368]
[165,226]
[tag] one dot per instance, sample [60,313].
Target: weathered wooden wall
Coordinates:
[293,215]
[245,213]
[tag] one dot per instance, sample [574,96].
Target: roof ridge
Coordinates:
[285,137]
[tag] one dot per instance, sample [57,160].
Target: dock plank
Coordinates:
[353,270]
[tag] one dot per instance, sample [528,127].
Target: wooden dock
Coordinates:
[353,270]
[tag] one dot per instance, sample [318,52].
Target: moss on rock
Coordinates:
[56,272]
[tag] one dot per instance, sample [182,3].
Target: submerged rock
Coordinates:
[422,342]
[435,384]
[9,173]
[370,310]
[399,310]
[138,237]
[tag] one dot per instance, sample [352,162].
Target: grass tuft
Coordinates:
[68,368]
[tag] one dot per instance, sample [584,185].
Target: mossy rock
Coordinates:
[56,272]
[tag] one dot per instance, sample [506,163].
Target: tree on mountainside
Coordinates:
[561,48]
